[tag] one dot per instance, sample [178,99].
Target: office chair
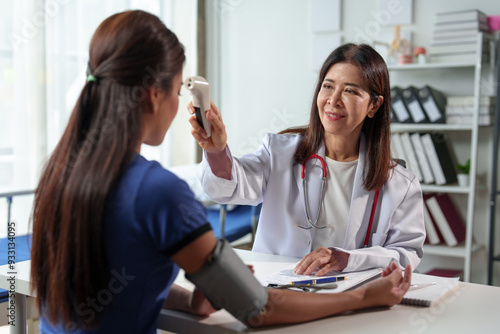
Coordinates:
[234,224]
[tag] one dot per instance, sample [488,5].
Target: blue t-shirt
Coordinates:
[151,215]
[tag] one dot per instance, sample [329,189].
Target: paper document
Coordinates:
[355,278]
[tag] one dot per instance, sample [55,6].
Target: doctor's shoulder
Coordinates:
[402,176]
[282,143]
[281,149]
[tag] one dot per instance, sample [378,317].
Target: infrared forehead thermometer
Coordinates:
[200,91]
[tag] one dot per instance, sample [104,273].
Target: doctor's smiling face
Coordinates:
[352,95]
[344,101]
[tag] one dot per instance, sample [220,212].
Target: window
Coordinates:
[43,62]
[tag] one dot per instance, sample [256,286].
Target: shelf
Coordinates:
[469,69]
[444,189]
[451,189]
[406,67]
[412,127]
[443,250]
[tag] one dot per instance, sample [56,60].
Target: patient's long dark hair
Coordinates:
[130,52]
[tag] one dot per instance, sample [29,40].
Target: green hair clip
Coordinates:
[91,78]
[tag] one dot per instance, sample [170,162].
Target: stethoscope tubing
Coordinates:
[304,188]
[314,224]
[306,202]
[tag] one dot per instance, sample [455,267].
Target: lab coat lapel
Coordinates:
[313,175]
[355,233]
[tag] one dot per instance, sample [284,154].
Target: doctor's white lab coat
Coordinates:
[271,176]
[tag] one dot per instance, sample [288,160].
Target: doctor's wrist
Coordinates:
[340,258]
[220,163]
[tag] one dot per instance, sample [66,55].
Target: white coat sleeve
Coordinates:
[400,240]
[249,175]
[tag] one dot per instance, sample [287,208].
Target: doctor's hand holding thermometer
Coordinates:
[208,129]
[205,116]
[200,92]
[214,145]
[216,142]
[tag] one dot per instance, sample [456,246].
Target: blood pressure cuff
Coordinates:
[228,283]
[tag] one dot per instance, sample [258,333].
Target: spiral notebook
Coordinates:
[427,289]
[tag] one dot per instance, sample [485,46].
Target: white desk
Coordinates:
[471,308]
[22,289]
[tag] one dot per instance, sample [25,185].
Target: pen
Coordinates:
[305,288]
[420,286]
[319,280]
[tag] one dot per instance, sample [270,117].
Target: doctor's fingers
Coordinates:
[215,118]
[313,264]
[304,264]
[333,264]
[309,258]
[213,144]
[190,108]
[199,134]
[215,110]
[219,135]
[216,121]
[213,107]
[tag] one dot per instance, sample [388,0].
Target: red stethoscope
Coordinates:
[323,182]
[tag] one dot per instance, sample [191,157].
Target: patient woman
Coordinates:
[330,192]
[111,229]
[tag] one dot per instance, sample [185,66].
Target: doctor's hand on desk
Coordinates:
[324,258]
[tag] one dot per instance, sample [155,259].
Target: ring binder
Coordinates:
[410,97]
[434,103]
[400,112]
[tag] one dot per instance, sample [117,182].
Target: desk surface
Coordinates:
[22,274]
[471,308]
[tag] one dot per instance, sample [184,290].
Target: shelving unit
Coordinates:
[494,190]
[466,250]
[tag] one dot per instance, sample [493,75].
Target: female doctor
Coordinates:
[330,191]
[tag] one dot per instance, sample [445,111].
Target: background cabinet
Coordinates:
[475,78]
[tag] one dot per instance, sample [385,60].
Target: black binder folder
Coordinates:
[433,102]
[400,113]
[410,97]
[440,158]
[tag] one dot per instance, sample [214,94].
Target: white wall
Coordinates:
[264,78]
[37,107]
[263,82]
